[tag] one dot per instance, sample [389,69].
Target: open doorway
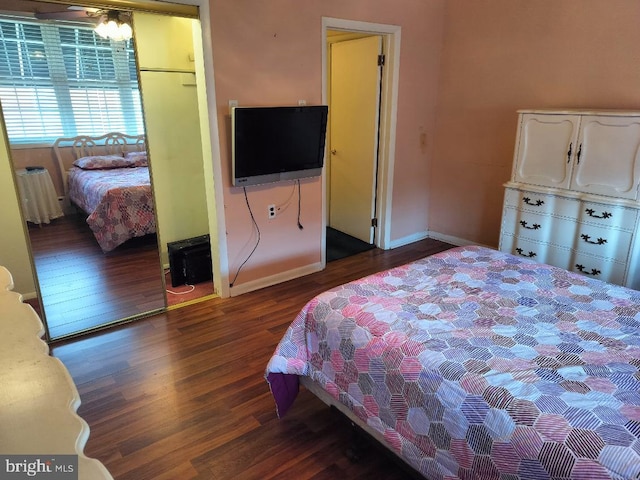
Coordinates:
[355,72]
[360,87]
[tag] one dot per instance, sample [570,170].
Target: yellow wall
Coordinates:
[172,121]
[14,253]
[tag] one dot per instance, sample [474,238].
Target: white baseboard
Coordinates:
[401,242]
[275,279]
[416,237]
[457,241]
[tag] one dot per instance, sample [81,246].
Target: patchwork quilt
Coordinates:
[476,364]
[118,200]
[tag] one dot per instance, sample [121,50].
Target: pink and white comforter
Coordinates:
[119,203]
[476,364]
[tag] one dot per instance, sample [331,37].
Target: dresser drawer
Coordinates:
[589,239]
[595,267]
[542,203]
[600,268]
[608,215]
[541,228]
[603,242]
[539,252]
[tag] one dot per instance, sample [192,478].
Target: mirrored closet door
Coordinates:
[96,259]
[83,286]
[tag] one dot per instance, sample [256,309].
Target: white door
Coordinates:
[546,148]
[353,135]
[607,160]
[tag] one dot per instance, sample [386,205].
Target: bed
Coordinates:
[477,364]
[108,179]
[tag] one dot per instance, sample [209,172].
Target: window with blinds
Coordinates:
[63,81]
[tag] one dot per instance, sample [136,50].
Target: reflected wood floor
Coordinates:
[81,287]
[181,395]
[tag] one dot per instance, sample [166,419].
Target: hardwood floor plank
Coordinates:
[76,277]
[182,394]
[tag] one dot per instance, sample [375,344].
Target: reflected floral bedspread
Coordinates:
[476,364]
[118,201]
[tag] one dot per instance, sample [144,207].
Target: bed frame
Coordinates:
[112,143]
[354,449]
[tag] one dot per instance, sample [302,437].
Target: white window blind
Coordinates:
[64,80]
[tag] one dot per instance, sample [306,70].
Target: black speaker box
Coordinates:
[190,261]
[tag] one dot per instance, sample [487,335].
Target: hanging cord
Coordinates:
[193,287]
[255,224]
[299,201]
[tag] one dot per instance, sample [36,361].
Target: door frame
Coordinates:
[388,113]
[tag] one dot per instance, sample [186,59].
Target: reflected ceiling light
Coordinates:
[115,26]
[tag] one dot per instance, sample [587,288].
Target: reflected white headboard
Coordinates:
[113,143]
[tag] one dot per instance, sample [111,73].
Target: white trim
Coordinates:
[29,296]
[415,237]
[457,241]
[386,161]
[275,279]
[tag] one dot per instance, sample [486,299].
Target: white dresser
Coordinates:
[572,200]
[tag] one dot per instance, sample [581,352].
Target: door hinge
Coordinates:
[374,222]
[380,60]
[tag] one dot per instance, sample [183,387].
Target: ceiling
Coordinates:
[29,6]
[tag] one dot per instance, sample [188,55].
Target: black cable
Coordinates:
[299,201]
[255,224]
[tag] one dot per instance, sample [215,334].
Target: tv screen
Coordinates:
[270,144]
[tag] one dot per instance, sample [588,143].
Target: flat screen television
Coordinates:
[270,144]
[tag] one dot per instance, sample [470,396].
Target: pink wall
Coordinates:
[270,53]
[503,55]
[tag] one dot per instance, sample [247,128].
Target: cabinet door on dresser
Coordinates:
[545,146]
[607,157]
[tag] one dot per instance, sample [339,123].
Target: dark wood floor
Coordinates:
[181,395]
[82,288]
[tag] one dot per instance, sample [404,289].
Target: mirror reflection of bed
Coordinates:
[103,288]
[99,263]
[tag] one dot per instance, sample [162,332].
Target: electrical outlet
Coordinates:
[271,209]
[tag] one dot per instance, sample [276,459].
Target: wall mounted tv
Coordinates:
[270,144]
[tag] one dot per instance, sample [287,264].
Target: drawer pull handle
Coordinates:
[528,201]
[587,238]
[591,212]
[535,226]
[579,154]
[569,152]
[593,271]
[528,255]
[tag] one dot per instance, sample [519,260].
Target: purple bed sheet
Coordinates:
[477,364]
